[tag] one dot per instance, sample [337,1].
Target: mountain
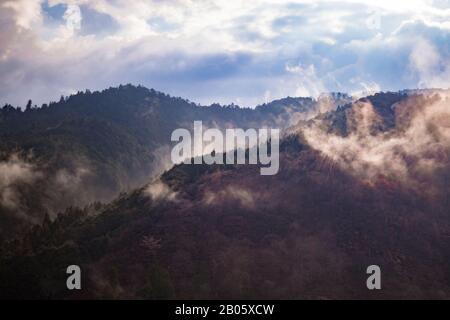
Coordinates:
[92,146]
[366,184]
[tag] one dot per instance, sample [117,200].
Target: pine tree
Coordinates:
[28,107]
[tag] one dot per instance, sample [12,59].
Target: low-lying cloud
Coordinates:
[14,172]
[231,194]
[159,191]
[412,152]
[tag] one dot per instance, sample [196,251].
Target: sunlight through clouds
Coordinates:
[221,51]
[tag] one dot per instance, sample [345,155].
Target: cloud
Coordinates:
[218,51]
[410,154]
[432,70]
[15,172]
[27,13]
[309,84]
[240,195]
[73,17]
[72,186]
[28,190]
[159,191]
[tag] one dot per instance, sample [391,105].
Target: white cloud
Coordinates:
[159,191]
[192,48]
[409,154]
[73,17]
[13,172]
[307,82]
[433,71]
[28,12]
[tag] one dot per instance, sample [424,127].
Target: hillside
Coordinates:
[92,146]
[372,188]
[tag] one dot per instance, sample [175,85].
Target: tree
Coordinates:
[28,107]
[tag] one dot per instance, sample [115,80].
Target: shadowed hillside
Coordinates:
[91,146]
[373,191]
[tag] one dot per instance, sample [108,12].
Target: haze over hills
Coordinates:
[293,149]
[361,182]
[91,146]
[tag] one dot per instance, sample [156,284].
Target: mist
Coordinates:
[410,153]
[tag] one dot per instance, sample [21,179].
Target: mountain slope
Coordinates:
[92,146]
[225,231]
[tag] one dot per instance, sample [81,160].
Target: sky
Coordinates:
[242,52]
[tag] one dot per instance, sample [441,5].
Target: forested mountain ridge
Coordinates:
[91,146]
[365,184]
